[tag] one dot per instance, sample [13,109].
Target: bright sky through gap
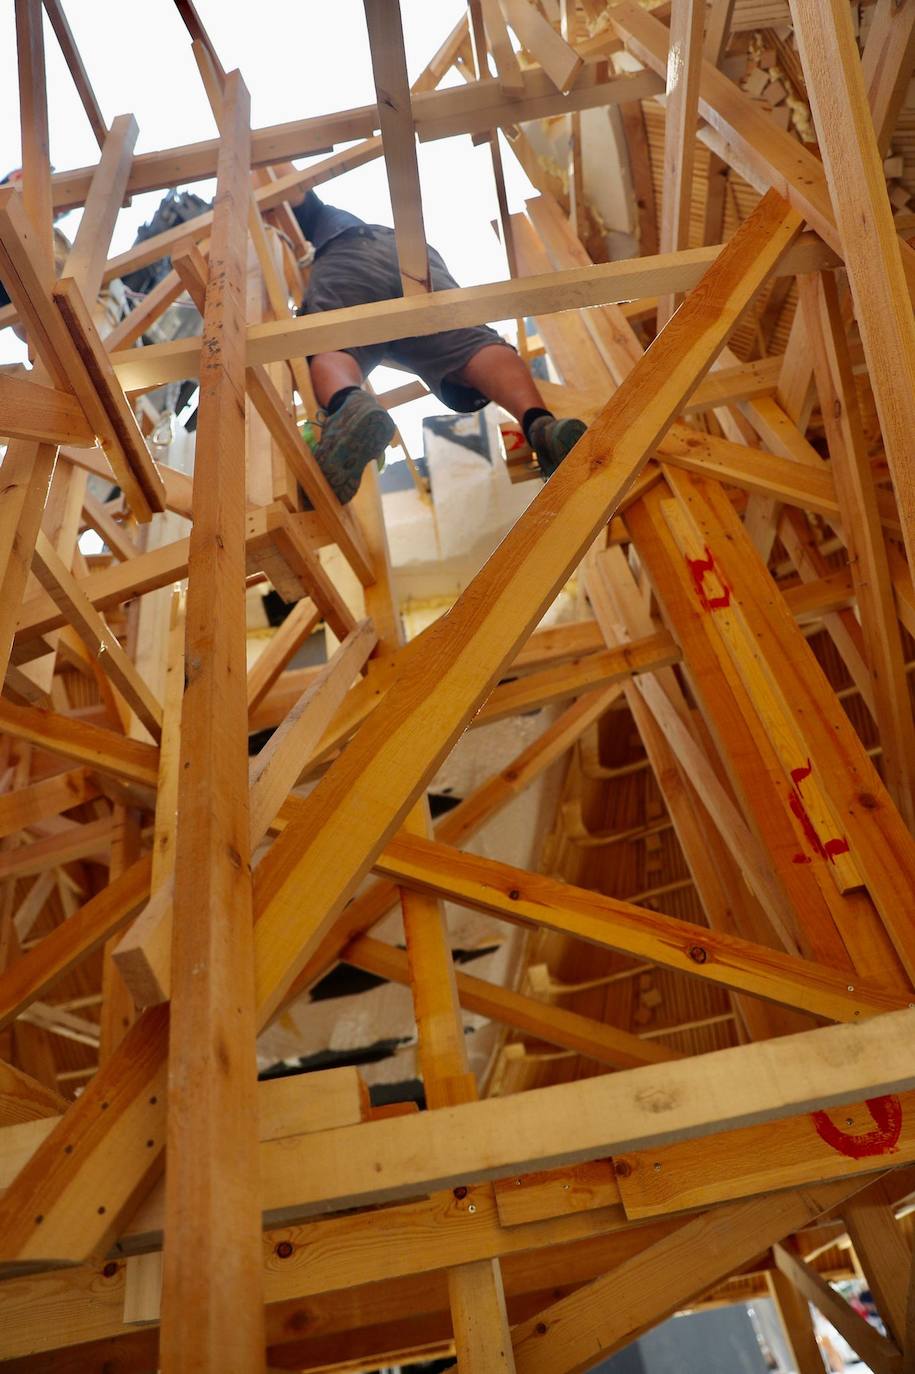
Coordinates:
[299,59]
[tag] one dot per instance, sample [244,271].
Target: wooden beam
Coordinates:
[32,411]
[539,1020]
[797,1323]
[91,745]
[392,88]
[883,1253]
[879,1353]
[867,557]
[438,114]
[29,977]
[212,1303]
[77,70]
[48,797]
[557,57]
[285,643]
[607,1314]
[886,64]
[63,588]
[684,61]
[532,899]
[879,281]
[377,322]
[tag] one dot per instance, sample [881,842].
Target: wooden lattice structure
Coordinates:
[736,728]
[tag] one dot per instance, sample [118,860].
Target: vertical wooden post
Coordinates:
[212,1310]
[684,63]
[477,1299]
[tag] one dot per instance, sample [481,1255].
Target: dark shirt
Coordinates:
[320,223]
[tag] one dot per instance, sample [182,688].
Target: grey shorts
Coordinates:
[360,265]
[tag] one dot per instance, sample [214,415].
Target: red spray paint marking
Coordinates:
[825,850]
[698,568]
[882,1140]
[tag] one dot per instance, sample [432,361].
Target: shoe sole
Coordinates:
[366,441]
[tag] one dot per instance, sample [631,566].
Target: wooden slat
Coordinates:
[886,63]
[211,1302]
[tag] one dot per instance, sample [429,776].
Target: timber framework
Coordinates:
[703,1085]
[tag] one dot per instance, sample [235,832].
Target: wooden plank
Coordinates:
[605,1315]
[870,246]
[377,322]
[22,1099]
[514,894]
[883,1253]
[557,1192]
[797,1323]
[77,70]
[886,65]
[456,672]
[540,1020]
[86,260]
[459,824]
[33,116]
[31,285]
[98,749]
[759,1159]
[285,643]
[863,535]
[879,1353]
[48,797]
[508,69]
[32,411]
[438,113]
[275,770]
[143,956]
[338,521]
[28,977]
[212,1308]
[75,842]
[121,422]
[63,588]
[684,60]
[557,57]
[753,768]
[392,88]
[834,747]
[108,529]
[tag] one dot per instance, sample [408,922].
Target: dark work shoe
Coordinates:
[354,436]
[552,439]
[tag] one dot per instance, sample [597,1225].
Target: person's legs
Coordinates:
[498,373]
[331,372]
